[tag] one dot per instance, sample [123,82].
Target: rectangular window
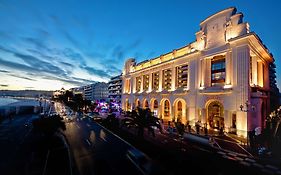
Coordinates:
[167,79]
[155,81]
[145,82]
[182,76]
[218,71]
[127,86]
[138,84]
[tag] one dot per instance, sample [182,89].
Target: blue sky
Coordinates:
[67,43]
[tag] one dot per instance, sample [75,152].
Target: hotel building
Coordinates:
[115,89]
[219,80]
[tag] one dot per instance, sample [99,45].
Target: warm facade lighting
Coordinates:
[207,81]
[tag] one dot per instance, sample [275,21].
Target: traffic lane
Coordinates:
[97,151]
[107,147]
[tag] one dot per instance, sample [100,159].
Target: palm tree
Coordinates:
[141,119]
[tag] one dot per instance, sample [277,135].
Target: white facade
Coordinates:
[96,91]
[219,80]
[115,88]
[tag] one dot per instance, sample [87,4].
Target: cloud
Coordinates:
[98,72]
[22,77]
[4,71]
[39,64]
[67,64]
[35,42]
[75,56]
[5,49]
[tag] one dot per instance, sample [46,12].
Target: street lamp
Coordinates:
[247,104]
[253,108]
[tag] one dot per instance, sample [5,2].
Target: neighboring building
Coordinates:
[88,92]
[96,91]
[100,91]
[274,91]
[221,80]
[115,89]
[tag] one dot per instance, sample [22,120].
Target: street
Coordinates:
[96,151]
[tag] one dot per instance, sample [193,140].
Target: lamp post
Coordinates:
[248,108]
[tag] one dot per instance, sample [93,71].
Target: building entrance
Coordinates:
[215,115]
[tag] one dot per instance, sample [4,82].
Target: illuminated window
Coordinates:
[182,76]
[127,86]
[138,84]
[167,83]
[218,71]
[155,81]
[145,82]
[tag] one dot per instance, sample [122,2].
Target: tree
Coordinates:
[274,91]
[141,119]
[48,125]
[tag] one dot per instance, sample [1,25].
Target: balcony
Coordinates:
[215,90]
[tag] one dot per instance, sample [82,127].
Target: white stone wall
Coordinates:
[221,34]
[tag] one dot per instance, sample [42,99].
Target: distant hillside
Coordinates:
[25,93]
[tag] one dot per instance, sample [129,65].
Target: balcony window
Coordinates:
[145,82]
[138,84]
[182,76]
[155,81]
[218,71]
[167,83]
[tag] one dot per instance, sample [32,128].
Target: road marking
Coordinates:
[77,126]
[89,143]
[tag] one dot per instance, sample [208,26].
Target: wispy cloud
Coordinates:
[22,77]
[98,72]
[4,71]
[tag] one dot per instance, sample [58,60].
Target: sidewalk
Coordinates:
[173,141]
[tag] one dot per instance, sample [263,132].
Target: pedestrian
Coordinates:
[221,131]
[205,130]
[189,128]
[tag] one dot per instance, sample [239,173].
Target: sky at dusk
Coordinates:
[47,45]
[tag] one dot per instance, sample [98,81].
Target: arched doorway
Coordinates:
[154,107]
[137,103]
[215,115]
[166,109]
[127,105]
[145,104]
[180,110]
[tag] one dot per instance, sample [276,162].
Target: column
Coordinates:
[150,82]
[228,63]
[207,70]
[201,73]
[243,57]
[160,80]
[134,84]
[173,86]
[141,89]
[260,73]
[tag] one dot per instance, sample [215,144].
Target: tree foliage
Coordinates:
[141,119]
